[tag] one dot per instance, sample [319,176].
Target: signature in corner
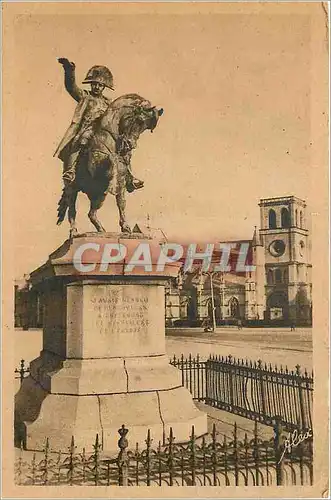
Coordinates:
[293,440]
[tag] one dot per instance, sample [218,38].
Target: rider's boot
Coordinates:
[133,183]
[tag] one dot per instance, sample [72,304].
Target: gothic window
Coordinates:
[301,218]
[270,277]
[278,276]
[296,217]
[234,308]
[285,217]
[272,219]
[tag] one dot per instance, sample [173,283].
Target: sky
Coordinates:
[236,89]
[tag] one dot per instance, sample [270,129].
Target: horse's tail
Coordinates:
[62,208]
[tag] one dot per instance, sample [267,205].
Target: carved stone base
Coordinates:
[103,362]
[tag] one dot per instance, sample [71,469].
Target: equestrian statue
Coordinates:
[97,148]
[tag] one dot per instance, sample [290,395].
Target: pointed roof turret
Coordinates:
[256,241]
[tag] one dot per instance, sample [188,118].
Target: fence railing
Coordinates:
[251,389]
[208,461]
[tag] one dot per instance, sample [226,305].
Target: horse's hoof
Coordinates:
[126,228]
[73,232]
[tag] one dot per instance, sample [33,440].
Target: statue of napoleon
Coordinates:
[97,148]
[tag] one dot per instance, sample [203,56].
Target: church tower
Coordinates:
[285,239]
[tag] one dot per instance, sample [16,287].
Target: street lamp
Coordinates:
[210,274]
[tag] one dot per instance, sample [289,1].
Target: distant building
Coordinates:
[279,291]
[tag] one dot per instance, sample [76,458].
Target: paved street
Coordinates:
[277,346]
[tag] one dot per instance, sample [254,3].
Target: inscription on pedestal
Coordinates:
[118,313]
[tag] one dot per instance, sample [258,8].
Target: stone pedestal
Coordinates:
[103,362]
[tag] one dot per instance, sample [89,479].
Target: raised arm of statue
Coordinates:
[70,80]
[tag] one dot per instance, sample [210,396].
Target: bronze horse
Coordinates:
[104,165]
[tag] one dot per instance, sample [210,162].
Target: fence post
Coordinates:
[122,460]
[301,399]
[207,380]
[96,459]
[231,381]
[193,456]
[262,390]
[171,457]
[148,457]
[278,431]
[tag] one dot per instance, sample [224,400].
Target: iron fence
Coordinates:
[208,461]
[250,389]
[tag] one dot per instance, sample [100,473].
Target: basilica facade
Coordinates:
[277,291]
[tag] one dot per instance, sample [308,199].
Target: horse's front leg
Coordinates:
[121,204]
[72,197]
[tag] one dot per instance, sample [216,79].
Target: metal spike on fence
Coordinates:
[83,464]
[33,469]
[96,460]
[46,463]
[259,363]
[96,445]
[148,457]
[148,440]
[298,372]
[171,436]
[72,445]
[171,457]
[58,463]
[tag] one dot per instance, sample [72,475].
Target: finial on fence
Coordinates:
[72,445]
[148,440]
[122,442]
[122,459]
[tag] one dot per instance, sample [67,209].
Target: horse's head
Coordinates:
[131,114]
